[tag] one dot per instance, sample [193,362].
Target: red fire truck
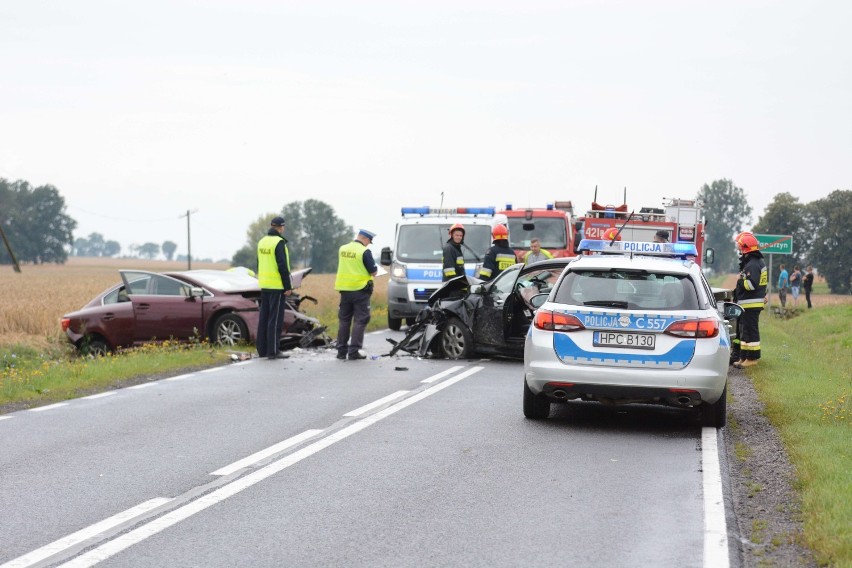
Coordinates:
[683,219]
[552,224]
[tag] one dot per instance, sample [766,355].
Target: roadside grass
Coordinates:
[805,382]
[31,378]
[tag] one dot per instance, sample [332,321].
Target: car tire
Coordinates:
[456,339]
[94,347]
[716,415]
[230,329]
[536,407]
[394,323]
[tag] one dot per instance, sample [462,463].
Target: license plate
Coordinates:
[625,340]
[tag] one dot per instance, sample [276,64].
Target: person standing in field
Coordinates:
[808,284]
[355,270]
[273,276]
[783,282]
[795,284]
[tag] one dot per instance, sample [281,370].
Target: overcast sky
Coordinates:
[140,111]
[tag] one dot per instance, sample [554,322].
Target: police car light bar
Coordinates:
[637,247]
[457,211]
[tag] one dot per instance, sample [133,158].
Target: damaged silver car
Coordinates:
[467,316]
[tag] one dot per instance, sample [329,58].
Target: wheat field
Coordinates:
[32,302]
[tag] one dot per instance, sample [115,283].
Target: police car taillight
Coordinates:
[549,320]
[698,328]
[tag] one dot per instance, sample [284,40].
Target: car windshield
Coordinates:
[550,231]
[628,289]
[425,243]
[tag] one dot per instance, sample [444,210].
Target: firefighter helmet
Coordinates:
[611,233]
[746,243]
[499,232]
[456,227]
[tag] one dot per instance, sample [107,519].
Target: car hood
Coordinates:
[457,286]
[236,283]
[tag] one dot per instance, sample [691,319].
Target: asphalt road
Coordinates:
[313,461]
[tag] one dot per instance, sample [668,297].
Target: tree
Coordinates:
[786,216]
[727,213]
[80,247]
[35,223]
[149,250]
[112,248]
[169,249]
[831,253]
[247,255]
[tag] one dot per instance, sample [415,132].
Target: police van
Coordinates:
[416,258]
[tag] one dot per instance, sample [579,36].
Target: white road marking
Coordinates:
[76,538]
[212,370]
[715,527]
[5,417]
[180,377]
[159,524]
[141,386]
[99,395]
[48,407]
[375,404]
[257,456]
[442,374]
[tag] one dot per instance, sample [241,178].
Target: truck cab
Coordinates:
[553,225]
[416,258]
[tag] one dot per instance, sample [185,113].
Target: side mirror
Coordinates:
[538,300]
[477,289]
[709,256]
[731,311]
[386,256]
[196,292]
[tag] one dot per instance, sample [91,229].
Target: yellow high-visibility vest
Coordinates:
[267,267]
[351,273]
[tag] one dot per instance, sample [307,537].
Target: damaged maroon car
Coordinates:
[219,305]
[467,316]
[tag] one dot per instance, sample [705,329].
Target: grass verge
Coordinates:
[804,380]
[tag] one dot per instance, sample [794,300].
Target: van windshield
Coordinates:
[425,243]
[550,231]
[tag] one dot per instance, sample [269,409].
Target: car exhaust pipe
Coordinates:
[684,400]
[560,394]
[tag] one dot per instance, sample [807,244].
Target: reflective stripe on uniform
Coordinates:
[750,346]
[504,261]
[485,272]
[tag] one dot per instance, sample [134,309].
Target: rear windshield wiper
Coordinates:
[607,304]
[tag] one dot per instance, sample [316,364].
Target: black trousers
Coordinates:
[270,323]
[353,315]
[750,339]
[808,296]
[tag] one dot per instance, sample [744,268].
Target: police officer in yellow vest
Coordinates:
[273,275]
[355,271]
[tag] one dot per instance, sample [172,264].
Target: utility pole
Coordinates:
[188,239]
[9,248]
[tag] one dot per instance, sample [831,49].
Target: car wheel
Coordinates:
[394,323]
[94,347]
[536,407]
[230,330]
[716,415]
[456,340]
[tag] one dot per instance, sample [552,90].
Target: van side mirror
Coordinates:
[387,253]
[709,256]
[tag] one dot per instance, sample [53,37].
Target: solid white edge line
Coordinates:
[48,407]
[142,386]
[99,395]
[5,417]
[442,374]
[179,377]
[171,518]
[274,449]
[73,539]
[375,404]
[715,526]
[211,370]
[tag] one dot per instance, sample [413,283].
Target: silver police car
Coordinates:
[630,322]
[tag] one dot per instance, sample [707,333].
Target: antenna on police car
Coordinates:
[621,228]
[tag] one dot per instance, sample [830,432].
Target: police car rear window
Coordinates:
[628,289]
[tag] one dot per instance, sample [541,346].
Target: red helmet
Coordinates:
[611,233]
[499,232]
[456,226]
[746,243]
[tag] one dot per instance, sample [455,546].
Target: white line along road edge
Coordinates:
[715,527]
[159,524]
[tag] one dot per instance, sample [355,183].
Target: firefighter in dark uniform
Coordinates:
[453,257]
[273,276]
[499,257]
[355,270]
[750,293]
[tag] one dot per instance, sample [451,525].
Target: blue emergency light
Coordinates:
[457,211]
[638,247]
[550,206]
[508,207]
